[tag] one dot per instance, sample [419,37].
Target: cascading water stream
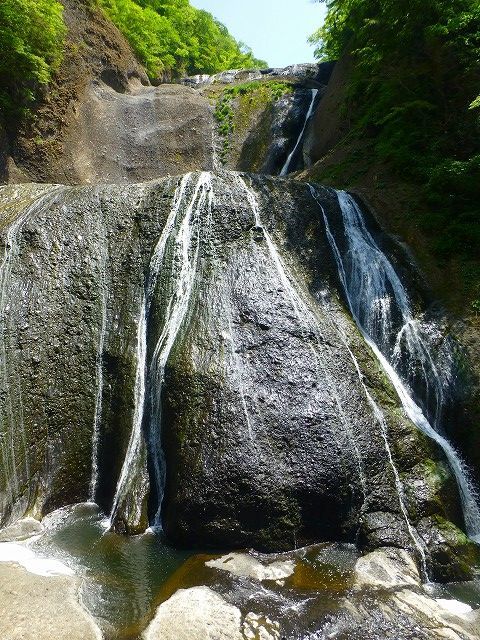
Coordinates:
[127,474]
[286,166]
[177,251]
[372,287]
[103,260]
[184,261]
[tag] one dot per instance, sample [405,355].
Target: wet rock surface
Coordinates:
[267,432]
[261,114]
[308,74]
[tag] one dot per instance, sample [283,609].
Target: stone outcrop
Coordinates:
[195,614]
[33,607]
[137,133]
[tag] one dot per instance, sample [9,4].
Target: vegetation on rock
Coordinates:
[32,34]
[170,37]
[235,105]
[173,37]
[413,96]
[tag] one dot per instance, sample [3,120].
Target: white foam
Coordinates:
[28,559]
[454,606]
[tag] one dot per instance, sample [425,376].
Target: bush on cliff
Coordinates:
[414,95]
[170,37]
[32,34]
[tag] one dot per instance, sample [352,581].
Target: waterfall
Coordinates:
[373,291]
[286,167]
[175,253]
[99,364]
[12,424]
[183,266]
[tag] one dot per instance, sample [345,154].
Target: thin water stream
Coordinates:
[176,251]
[286,167]
[102,266]
[306,320]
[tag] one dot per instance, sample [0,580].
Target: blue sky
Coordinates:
[276,30]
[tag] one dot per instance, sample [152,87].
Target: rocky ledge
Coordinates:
[35,607]
[249,598]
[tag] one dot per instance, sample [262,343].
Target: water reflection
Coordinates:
[123,574]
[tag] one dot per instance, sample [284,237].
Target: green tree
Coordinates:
[174,37]
[413,94]
[32,34]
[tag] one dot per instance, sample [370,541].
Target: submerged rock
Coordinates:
[453,556]
[242,564]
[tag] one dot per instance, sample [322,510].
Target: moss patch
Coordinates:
[237,107]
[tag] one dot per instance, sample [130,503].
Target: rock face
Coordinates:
[342,159]
[328,124]
[102,122]
[95,52]
[37,608]
[123,135]
[200,331]
[408,607]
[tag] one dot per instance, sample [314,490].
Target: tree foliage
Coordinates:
[171,36]
[414,92]
[32,34]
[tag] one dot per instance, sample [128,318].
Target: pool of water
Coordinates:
[123,575]
[124,579]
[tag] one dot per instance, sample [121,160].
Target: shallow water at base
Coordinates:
[465,592]
[123,574]
[126,578]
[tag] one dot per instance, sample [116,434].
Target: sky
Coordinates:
[276,30]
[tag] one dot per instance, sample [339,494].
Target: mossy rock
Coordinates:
[452,556]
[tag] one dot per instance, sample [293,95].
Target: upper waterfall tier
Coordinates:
[124,132]
[178,350]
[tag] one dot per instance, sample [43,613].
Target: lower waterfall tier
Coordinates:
[180,352]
